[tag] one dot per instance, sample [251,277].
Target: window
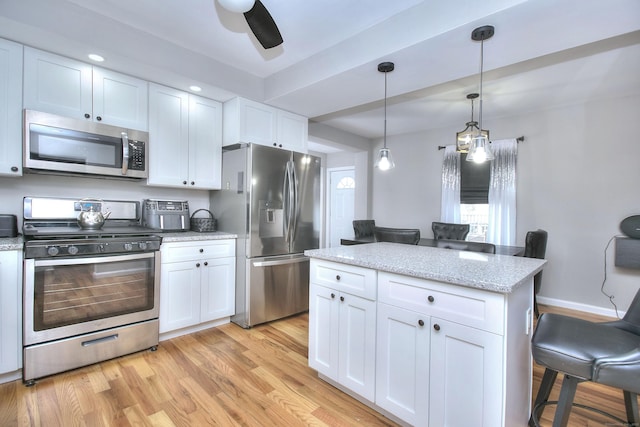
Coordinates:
[474,197]
[346,182]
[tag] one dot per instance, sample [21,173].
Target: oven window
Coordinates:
[70,294]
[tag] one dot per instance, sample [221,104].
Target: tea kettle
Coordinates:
[92,219]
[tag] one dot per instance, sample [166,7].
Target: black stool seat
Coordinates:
[572,345]
[607,353]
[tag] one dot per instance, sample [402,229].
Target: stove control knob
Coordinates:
[53,251]
[142,245]
[72,250]
[128,246]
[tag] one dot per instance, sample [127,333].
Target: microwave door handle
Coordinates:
[125,153]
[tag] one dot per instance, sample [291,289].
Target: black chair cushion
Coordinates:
[363,227]
[463,245]
[570,345]
[409,236]
[449,231]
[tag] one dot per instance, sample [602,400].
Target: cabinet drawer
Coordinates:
[468,306]
[357,281]
[185,251]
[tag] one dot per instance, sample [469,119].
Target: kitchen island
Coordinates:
[427,336]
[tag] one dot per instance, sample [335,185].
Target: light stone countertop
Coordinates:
[186,236]
[11,243]
[498,273]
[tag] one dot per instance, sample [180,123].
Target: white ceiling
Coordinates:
[544,53]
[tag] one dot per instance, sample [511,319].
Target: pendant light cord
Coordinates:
[385,109]
[481,69]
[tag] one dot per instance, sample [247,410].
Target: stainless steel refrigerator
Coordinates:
[270,198]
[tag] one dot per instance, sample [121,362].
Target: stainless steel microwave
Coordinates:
[65,145]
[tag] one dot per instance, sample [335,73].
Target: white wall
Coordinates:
[578,177]
[12,190]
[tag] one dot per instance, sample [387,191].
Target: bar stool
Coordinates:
[606,353]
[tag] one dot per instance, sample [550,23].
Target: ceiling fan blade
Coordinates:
[263,26]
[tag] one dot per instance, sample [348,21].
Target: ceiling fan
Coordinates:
[259,19]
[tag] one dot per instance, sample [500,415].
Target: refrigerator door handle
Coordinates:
[295,205]
[280,262]
[289,202]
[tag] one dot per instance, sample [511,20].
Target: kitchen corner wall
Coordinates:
[12,190]
[578,177]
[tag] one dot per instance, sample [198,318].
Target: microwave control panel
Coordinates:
[137,154]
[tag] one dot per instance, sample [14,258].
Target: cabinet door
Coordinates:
[179,295]
[120,100]
[257,123]
[324,313]
[10,108]
[357,345]
[205,143]
[293,131]
[57,85]
[402,364]
[10,311]
[168,136]
[466,376]
[218,288]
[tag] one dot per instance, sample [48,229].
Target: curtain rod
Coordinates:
[518,139]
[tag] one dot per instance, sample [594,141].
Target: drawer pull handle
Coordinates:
[431,298]
[201,250]
[341,298]
[197,264]
[337,277]
[206,263]
[436,327]
[421,322]
[333,295]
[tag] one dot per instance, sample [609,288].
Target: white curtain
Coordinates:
[450,205]
[502,193]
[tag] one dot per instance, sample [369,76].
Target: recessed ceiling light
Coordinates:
[95,57]
[195,88]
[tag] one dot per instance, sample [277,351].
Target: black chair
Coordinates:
[535,246]
[409,236]
[463,245]
[363,227]
[449,231]
[607,353]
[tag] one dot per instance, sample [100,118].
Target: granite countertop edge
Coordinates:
[497,273]
[11,243]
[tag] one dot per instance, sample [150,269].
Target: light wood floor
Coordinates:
[225,376]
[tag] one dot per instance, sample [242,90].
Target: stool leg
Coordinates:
[548,379]
[567,393]
[631,404]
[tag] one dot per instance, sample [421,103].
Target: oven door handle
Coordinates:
[92,259]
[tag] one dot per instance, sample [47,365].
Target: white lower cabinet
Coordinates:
[197,283]
[342,327]
[442,351]
[10,312]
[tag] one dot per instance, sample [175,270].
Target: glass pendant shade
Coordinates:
[237,6]
[464,138]
[479,151]
[384,161]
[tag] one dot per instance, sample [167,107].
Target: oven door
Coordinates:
[67,297]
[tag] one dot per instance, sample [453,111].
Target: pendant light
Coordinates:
[479,150]
[464,137]
[385,161]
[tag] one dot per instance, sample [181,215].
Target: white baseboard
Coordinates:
[610,312]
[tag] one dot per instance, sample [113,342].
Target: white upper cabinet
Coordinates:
[10,108]
[250,121]
[63,86]
[185,139]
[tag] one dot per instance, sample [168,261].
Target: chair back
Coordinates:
[463,245]
[631,320]
[535,245]
[409,236]
[363,227]
[449,231]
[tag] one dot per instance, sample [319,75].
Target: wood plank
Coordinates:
[227,376]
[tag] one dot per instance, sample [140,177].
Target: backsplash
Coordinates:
[12,191]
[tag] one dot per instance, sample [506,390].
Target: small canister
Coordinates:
[8,225]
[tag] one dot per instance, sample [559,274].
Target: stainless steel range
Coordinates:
[90,294]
